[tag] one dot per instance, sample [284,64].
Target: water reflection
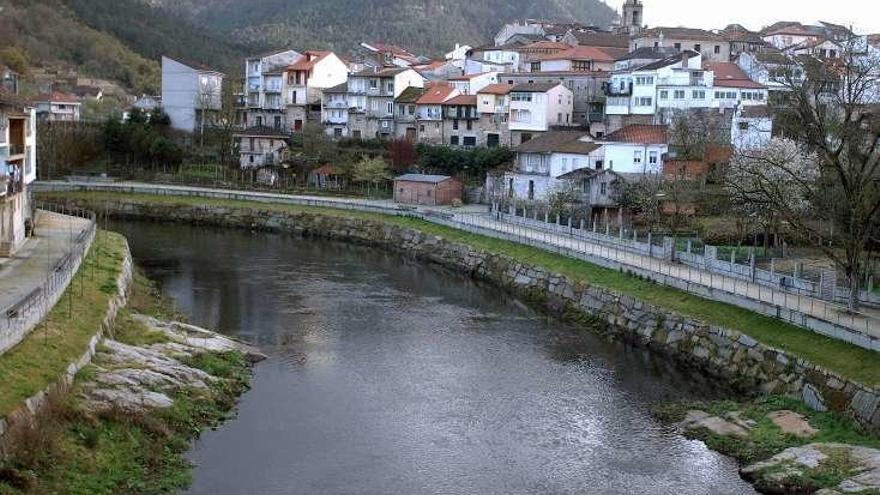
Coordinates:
[391,377]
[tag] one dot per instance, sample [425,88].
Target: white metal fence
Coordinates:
[19,318]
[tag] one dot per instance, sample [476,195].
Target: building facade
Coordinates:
[191,94]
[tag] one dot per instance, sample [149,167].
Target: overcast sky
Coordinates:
[863,15]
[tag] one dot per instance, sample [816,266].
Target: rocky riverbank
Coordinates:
[784,447]
[127,419]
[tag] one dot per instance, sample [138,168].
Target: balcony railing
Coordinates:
[611,90]
[336,104]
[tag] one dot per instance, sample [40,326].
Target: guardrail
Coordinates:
[820,316]
[19,319]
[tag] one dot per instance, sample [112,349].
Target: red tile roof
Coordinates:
[496,89]
[436,94]
[462,100]
[585,53]
[646,134]
[308,60]
[468,77]
[56,96]
[729,75]
[545,45]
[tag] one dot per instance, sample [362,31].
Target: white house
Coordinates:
[470,84]
[506,57]
[18,169]
[334,111]
[535,108]
[635,149]
[263,88]
[541,161]
[57,107]
[370,99]
[189,93]
[752,127]
[304,81]
[260,146]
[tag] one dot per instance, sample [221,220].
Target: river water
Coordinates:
[390,377]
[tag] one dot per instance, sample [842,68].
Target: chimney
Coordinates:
[684,59]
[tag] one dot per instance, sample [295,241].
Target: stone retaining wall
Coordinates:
[31,406]
[718,352]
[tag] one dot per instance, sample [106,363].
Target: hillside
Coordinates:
[430,27]
[122,40]
[51,35]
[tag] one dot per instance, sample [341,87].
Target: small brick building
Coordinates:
[420,189]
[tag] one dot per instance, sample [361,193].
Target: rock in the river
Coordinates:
[696,419]
[786,471]
[792,423]
[141,378]
[187,339]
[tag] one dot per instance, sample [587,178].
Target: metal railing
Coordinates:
[18,319]
[823,317]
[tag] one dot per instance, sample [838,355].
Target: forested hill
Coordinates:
[429,27]
[122,40]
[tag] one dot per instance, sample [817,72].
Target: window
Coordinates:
[521,97]
[698,94]
[259,121]
[389,88]
[652,157]
[656,44]
[469,141]
[337,132]
[644,101]
[600,164]
[603,188]
[389,108]
[469,125]
[664,94]
[565,164]
[580,65]
[535,67]
[524,137]
[559,118]
[278,122]
[678,94]
[644,80]
[731,95]
[698,47]
[453,140]
[637,157]
[531,189]
[678,46]
[743,126]
[455,124]
[374,83]
[510,188]
[412,109]
[717,49]
[422,128]
[251,158]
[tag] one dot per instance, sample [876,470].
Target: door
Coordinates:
[492,140]
[297,125]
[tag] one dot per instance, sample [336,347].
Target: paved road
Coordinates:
[746,293]
[28,267]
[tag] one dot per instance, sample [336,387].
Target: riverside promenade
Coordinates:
[34,277]
[825,317]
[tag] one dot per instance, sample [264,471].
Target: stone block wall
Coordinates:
[719,352]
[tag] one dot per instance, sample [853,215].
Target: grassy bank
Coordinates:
[766,439]
[75,451]
[848,360]
[43,356]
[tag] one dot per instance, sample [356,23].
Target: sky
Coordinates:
[862,15]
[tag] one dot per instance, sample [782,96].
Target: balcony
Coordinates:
[593,117]
[611,90]
[16,149]
[336,104]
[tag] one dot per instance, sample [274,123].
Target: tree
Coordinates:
[562,198]
[15,58]
[403,155]
[226,124]
[370,171]
[825,182]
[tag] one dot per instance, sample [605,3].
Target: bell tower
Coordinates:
[633,16]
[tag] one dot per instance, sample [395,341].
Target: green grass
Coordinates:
[845,359]
[43,356]
[766,439]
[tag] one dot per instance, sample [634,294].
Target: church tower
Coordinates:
[633,18]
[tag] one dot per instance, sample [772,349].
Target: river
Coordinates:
[390,377]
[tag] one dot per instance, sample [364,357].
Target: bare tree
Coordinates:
[829,173]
